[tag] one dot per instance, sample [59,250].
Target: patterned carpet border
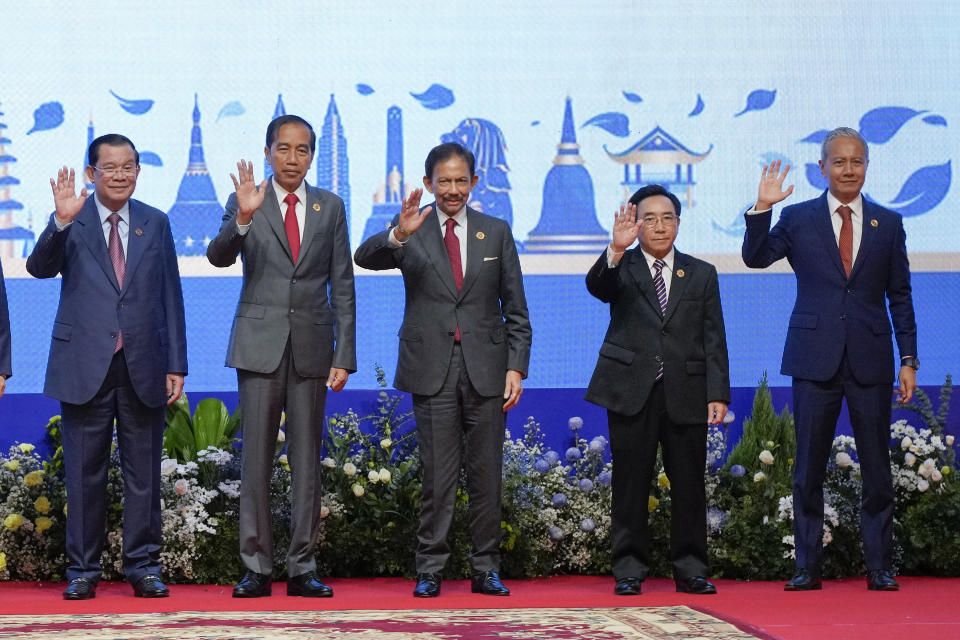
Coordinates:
[634,623]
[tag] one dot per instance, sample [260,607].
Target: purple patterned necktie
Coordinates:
[661,289]
[117,259]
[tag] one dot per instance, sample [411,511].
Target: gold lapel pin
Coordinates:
[480,235]
[139,232]
[316,206]
[680,273]
[874,223]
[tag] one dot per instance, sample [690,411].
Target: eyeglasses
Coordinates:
[126,170]
[668,220]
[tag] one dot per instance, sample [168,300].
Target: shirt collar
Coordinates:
[856,205]
[300,192]
[104,212]
[667,259]
[460,217]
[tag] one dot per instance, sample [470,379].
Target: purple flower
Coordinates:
[556,534]
[541,465]
[737,471]
[552,457]
[586,485]
[598,444]
[587,524]
[559,500]
[575,424]
[573,454]
[604,478]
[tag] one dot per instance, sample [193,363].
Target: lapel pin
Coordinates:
[680,273]
[874,223]
[139,232]
[480,235]
[316,206]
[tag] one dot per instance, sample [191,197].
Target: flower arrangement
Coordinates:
[556,504]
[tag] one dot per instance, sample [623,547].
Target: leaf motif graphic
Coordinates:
[364,89]
[632,97]
[757,100]
[814,177]
[136,107]
[698,109]
[880,124]
[233,108]
[435,97]
[49,115]
[924,190]
[612,122]
[149,157]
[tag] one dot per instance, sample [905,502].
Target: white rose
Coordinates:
[386,443]
[843,459]
[936,476]
[909,459]
[949,440]
[385,476]
[329,463]
[357,489]
[759,476]
[373,476]
[766,457]
[324,512]
[350,469]
[922,485]
[168,466]
[914,449]
[180,487]
[905,443]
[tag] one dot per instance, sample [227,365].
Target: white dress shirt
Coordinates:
[282,193]
[856,220]
[459,230]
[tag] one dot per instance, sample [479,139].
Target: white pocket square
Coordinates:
[489,258]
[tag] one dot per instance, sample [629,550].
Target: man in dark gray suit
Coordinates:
[464,349]
[662,375]
[5,369]
[293,335]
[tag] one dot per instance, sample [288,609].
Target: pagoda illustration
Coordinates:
[568,216]
[333,167]
[196,214]
[11,234]
[667,162]
[389,196]
[278,111]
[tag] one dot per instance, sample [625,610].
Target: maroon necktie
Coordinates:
[846,238]
[115,247]
[290,224]
[453,251]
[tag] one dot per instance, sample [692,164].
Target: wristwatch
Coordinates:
[910,361]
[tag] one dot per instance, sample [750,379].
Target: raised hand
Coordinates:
[771,186]
[410,216]
[249,195]
[65,198]
[626,227]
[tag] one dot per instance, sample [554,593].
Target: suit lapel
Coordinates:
[435,249]
[824,224]
[477,242]
[678,282]
[274,218]
[311,222]
[640,271]
[137,237]
[92,235]
[868,234]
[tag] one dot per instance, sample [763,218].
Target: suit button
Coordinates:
[843,317]
[659,359]
[113,334]
[120,305]
[294,281]
[291,311]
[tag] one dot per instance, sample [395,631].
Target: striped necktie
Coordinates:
[661,289]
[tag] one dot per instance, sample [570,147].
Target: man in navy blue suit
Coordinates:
[848,254]
[5,369]
[118,352]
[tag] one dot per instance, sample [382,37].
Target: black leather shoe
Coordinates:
[804,580]
[150,586]
[881,580]
[308,585]
[428,585]
[488,583]
[695,584]
[252,585]
[80,589]
[628,587]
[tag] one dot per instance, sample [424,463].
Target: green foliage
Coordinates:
[765,430]
[932,537]
[210,426]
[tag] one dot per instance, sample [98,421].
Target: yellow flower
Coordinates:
[42,504]
[652,504]
[13,521]
[11,465]
[43,523]
[26,447]
[3,561]
[663,481]
[946,470]
[33,478]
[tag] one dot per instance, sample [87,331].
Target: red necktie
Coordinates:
[291,225]
[115,247]
[453,251]
[846,238]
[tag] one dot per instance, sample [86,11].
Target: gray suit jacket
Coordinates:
[689,339]
[312,303]
[490,308]
[5,368]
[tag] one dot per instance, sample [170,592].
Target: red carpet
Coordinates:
[844,609]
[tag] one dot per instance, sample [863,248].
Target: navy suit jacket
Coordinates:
[5,368]
[834,313]
[93,307]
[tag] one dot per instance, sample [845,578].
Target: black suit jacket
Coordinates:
[5,368]
[689,339]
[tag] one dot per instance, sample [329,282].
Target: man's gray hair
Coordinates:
[844,132]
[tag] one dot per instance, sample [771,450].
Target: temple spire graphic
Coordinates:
[10,232]
[333,167]
[195,215]
[390,194]
[278,111]
[568,217]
